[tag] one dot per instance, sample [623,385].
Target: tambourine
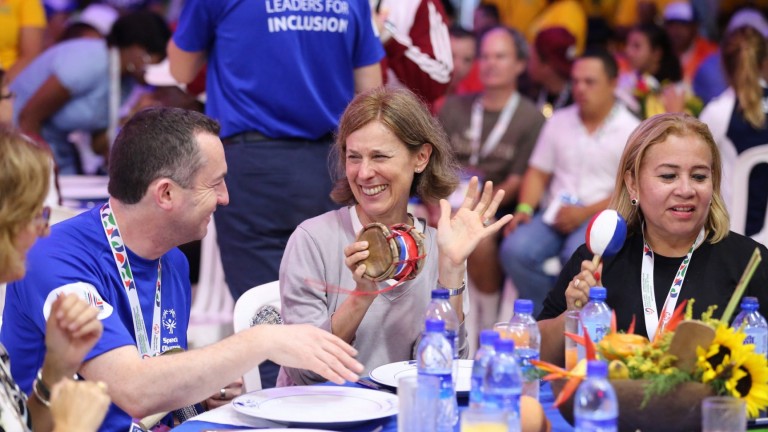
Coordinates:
[396,252]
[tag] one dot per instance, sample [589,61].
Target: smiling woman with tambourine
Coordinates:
[365,272]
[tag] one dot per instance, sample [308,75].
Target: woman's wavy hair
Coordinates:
[744,51]
[408,118]
[24,176]
[655,130]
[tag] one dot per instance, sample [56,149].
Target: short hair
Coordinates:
[489,9]
[460,32]
[655,130]
[408,118]
[25,170]
[157,143]
[143,28]
[606,58]
[521,45]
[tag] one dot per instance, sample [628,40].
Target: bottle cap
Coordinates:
[597,369]
[435,326]
[597,293]
[440,293]
[524,306]
[488,337]
[750,303]
[505,346]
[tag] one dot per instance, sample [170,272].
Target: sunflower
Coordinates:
[717,359]
[749,380]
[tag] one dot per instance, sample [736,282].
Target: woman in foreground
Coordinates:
[678,244]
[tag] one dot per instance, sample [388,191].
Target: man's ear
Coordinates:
[163,192]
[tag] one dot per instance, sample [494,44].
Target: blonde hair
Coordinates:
[24,174]
[409,120]
[744,52]
[656,130]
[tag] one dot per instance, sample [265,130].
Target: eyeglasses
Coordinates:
[42,220]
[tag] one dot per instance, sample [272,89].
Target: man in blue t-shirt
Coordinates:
[167,173]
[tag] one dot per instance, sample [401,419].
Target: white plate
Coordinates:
[317,405]
[390,373]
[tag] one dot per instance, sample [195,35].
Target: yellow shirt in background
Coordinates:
[15,15]
[518,14]
[569,14]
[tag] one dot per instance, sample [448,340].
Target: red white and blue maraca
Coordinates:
[606,233]
[605,236]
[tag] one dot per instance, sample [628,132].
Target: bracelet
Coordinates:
[40,390]
[454,291]
[524,208]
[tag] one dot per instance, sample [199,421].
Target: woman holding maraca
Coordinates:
[389,149]
[678,245]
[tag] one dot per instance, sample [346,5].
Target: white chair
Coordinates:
[245,307]
[211,314]
[740,189]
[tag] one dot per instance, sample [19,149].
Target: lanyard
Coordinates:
[476,128]
[146,349]
[649,297]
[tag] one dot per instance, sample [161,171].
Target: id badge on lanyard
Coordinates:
[147,348]
[655,322]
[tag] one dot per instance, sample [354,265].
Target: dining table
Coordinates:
[227,418]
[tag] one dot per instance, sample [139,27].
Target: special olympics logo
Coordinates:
[169,320]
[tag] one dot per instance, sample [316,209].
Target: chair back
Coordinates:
[740,190]
[245,308]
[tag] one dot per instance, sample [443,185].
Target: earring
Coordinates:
[418,170]
[634,201]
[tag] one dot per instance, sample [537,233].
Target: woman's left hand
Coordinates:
[458,235]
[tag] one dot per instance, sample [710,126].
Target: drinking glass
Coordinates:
[483,420]
[723,414]
[418,403]
[572,324]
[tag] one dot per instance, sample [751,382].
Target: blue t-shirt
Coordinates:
[280,71]
[77,258]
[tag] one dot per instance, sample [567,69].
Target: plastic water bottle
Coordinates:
[435,357]
[754,324]
[503,383]
[596,408]
[483,357]
[596,317]
[440,309]
[527,338]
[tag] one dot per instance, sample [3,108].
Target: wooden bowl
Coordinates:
[678,410]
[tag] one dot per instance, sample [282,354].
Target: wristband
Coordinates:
[524,208]
[454,291]
[40,390]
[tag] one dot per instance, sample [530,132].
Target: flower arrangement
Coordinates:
[705,351]
[650,95]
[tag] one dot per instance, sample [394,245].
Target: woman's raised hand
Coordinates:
[459,234]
